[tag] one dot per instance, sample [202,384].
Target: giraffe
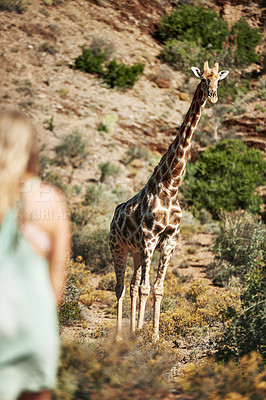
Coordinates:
[150,220]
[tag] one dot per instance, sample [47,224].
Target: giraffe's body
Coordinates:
[151,219]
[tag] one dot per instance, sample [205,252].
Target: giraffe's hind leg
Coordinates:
[134,290]
[119,253]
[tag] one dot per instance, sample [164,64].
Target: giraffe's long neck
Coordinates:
[172,165]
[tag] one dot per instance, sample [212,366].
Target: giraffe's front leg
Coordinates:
[165,258]
[134,290]
[119,254]
[144,290]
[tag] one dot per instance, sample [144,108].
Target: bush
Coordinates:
[225,177]
[114,74]
[181,55]
[93,247]
[247,39]
[71,149]
[77,291]
[240,253]
[240,249]
[13,5]
[93,194]
[195,307]
[195,25]
[240,242]
[112,371]
[192,34]
[80,215]
[247,331]
[231,381]
[107,170]
[108,282]
[234,87]
[122,76]
[90,62]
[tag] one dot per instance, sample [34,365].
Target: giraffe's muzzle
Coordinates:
[212,97]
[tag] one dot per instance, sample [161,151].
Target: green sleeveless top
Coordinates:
[29,340]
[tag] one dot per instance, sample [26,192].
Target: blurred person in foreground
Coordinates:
[34,247]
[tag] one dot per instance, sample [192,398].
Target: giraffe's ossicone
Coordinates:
[151,219]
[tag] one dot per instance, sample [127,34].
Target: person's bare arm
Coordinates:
[45,206]
[61,243]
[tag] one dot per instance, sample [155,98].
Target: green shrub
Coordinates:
[182,54]
[247,39]
[225,177]
[121,75]
[91,62]
[93,194]
[240,242]
[192,34]
[93,247]
[195,25]
[114,74]
[247,331]
[13,5]
[77,291]
[71,149]
[234,87]
[240,252]
[107,170]
[80,215]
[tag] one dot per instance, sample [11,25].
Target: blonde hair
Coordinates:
[18,154]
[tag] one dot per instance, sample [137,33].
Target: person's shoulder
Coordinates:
[42,198]
[51,193]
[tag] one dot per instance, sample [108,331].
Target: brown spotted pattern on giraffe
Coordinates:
[178,169]
[180,153]
[158,175]
[152,187]
[164,169]
[186,156]
[175,219]
[158,229]
[171,158]
[153,202]
[148,221]
[144,205]
[169,230]
[184,142]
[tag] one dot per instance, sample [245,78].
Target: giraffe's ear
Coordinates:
[223,74]
[196,71]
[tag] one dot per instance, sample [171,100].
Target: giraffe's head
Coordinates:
[210,78]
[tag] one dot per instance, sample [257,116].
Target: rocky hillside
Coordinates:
[39,45]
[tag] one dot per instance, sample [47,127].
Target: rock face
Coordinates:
[251,130]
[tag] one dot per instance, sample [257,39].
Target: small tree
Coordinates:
[225,177]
